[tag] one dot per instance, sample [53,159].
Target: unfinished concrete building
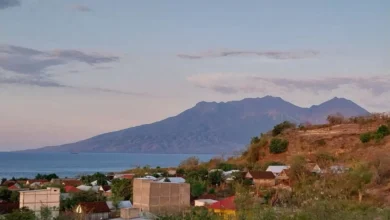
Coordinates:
[160,197]
[35,200]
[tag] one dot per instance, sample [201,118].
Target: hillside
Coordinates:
[340,141]
[210,127]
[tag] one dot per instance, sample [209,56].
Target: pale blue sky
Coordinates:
[70,69]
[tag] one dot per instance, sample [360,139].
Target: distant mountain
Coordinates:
[210,127]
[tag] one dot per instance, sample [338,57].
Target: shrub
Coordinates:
[278,146]
[279,128]
[320,142]
[365,137]
[383,130]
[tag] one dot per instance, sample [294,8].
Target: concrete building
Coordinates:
[160,197]
[35,200]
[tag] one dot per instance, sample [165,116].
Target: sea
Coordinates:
[17,164]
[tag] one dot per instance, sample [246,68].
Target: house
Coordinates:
[313,168]
[93,210]
[106,190]
[15,187]
[87,188]
[276,170]
[225,207]
[157,197]
[204,202]
[71,189]
[8,207]
[261,178]
[71,182]
[8,183]
[37,182]
[36,199]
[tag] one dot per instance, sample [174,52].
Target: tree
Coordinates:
[5,194]
[335,119]
[197,187]
[365,137]
[99,177]
[122,188]
[383,130]
[21,214]
[3,180]
[279,128]
[359,177]
[46,213]
[255,140]
[278,145]
[190,162]
[215,177]
[81,196]
[14,196]
[46,176]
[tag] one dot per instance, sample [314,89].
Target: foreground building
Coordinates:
[35,200]
[160,197]
[93,211]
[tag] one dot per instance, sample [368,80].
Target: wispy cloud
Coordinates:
[30,61]
[28,67]
[49,83]
[277,55]
[372,90]
[9,3]
[81,8]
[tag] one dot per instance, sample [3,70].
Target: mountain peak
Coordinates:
[211,127]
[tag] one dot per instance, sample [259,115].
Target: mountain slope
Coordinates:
[210,127]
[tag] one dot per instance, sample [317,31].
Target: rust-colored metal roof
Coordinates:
[94,207]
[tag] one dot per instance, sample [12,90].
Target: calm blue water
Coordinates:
[71,165]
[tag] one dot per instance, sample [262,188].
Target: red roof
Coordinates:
[71,189]
[94,207]
[71,182]
[227,203]
[106,188]
[37,181]
[128,176]
[14,186]
[8,183]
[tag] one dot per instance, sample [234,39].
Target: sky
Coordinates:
[72,69]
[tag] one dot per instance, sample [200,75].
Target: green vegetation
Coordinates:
[8,195]
[278,145]
[81,196]
[365,137]
[380,133]
[279,128]
[122,188]
[99,177]
[47,177]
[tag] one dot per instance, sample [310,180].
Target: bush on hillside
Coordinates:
[279,128]
[365,137]
[335,119]
[384,130]
[278,146]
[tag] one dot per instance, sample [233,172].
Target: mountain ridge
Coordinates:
[209,127]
